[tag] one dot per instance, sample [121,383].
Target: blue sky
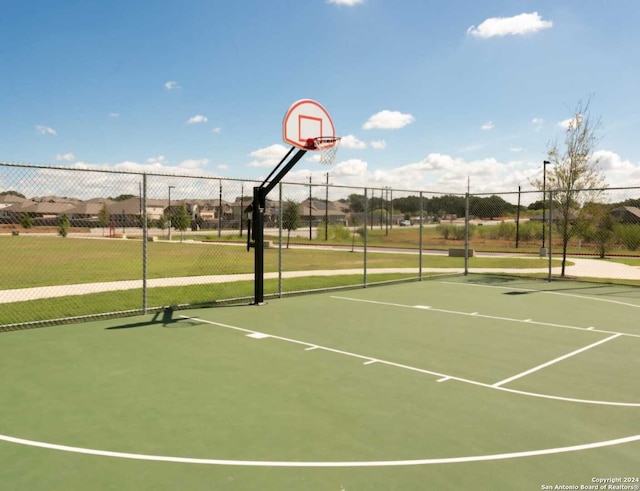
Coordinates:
[424,93]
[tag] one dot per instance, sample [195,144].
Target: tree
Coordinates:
[574,177]
[12,193]
[493,206]
[103,217]
[291,217]
[123,197]
[161,222]
[26,221]
[181,220]
[356,203]
[595,224]
[408,206]
[63,225]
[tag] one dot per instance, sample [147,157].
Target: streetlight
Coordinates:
[169,210]
[543,249]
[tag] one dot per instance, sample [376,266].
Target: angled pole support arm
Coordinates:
[257,219]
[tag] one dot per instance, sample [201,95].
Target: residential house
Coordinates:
[626,214]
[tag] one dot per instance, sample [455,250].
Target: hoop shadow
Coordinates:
[166,320]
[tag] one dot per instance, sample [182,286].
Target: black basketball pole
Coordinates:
[257,220]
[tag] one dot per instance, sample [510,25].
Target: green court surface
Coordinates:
[451,384]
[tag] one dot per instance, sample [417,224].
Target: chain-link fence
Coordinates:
[78,243]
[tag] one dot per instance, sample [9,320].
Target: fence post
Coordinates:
[145,239]
[366,212]
[280,240]
[466,234]
[420,239]
[326,210]
[550,230]
[310,215]
[220,209]
[518,220]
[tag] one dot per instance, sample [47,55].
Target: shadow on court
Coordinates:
[163,317]
[560,285]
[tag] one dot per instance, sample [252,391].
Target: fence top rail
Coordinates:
[306,184]
[556,190]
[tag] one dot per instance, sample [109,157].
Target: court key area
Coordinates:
[475,382]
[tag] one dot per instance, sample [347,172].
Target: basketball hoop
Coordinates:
[327,146]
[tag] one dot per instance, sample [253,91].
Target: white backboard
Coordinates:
[306,119]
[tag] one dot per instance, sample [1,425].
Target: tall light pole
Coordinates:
[169,210]
[543,249]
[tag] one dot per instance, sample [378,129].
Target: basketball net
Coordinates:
[327,146]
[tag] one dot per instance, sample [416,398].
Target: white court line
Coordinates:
[484,316]
[262,463]
[370,362]
[549,363]
[428,372]
[562,294]
[337,351]
[258,335]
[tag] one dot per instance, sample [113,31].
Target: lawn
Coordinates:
[41,261]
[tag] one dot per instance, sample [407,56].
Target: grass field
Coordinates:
[463,383]
[43,261]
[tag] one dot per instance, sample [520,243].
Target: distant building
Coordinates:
[626,214]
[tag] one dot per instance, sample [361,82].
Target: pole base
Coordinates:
[543,252]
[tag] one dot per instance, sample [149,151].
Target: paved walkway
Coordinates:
[581,268]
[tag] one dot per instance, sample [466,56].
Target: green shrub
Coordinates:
[454,232]
[628,235]
[63,225]
[530,231]
[335,232]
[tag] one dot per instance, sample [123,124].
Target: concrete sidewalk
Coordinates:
[581,268]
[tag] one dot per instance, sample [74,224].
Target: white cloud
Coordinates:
[388,120]
[537,123]
[216,130]
[510,26]
[160,159]
[351,167]
[222,166]
[45,130]
[378,144]
[571,122]
[350,3]
[517,149]
[352,142]
[114,115]
[65,157]
[171,85]
[487,126]
[197,119]
[269,156]
[435,173]
[193,164]
[618,172]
